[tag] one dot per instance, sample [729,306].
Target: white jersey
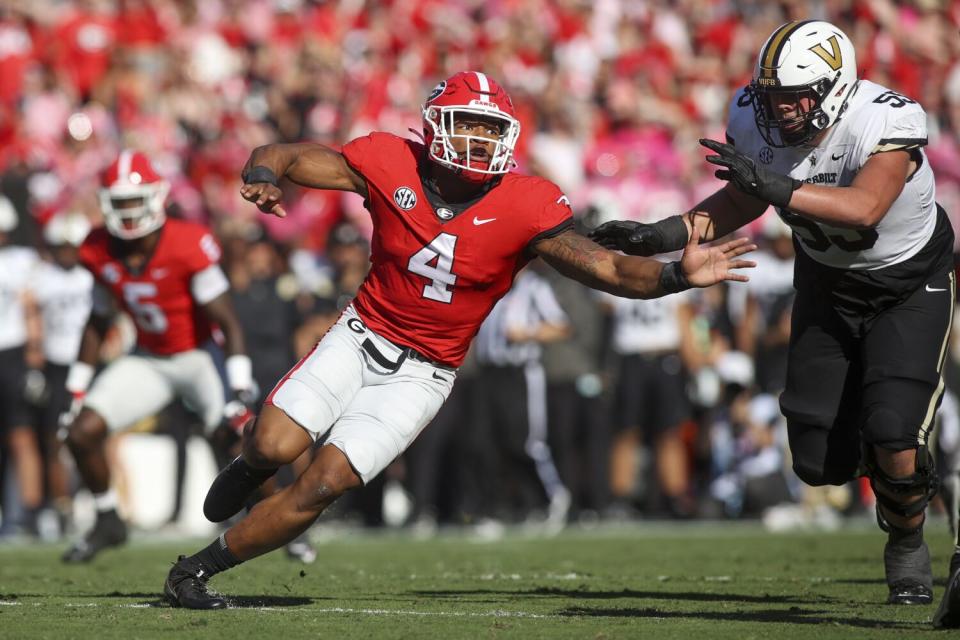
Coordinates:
[64,298]
[646,326]
[877,120]
[17,265]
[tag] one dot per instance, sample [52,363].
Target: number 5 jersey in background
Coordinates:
[164,296]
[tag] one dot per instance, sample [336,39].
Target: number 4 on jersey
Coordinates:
[435,263]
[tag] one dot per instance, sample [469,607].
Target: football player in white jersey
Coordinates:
[842,161]
[62,289]
[19,333]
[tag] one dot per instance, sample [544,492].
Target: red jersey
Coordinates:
[435,276]
[158,298]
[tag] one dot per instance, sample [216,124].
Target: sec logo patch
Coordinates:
[405,198]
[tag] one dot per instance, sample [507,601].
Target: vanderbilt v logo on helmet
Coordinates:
[805,73]
[834,58]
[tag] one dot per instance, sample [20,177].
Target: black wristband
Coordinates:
[674,232]
[779,189]
[672,279]
[260,174]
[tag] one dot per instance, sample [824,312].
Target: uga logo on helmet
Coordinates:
[437,91]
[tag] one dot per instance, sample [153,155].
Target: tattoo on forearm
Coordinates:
[578,252]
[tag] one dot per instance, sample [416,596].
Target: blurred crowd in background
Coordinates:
[612,96]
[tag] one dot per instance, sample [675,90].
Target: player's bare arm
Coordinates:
[220,311]
[865,202]
[721,213]
[580,258]
[860,205]
[307,164]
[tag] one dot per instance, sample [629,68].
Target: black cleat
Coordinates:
[231,488]
[908,574]
[186,586]
[108,531]
[948,613]
[909,592]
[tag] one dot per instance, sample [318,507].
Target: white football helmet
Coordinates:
[133,196]
[804,76]
[8,215]
[67,228]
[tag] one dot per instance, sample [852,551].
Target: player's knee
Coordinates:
[905,494]
[87,432]
[317,491]
[328,477]
[815,474]
[260,446]
[883,427]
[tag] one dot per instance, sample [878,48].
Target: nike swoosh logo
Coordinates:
[477,221]
[932,290]
[439,377]
[837,157]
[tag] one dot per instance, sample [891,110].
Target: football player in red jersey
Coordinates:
[166,275]
[452,227]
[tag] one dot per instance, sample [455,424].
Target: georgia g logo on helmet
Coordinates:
[805,74]
[132,196]
[470,95]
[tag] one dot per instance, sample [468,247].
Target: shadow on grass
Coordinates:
[937,582]
[244,602]
[693,596]
[793,615]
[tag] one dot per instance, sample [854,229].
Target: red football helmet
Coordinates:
[132,196]
[470,93]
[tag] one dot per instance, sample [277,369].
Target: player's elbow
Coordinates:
[869,217]
[868,209]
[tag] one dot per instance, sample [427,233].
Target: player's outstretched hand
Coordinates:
[704,266]
[748,177]
[266,196]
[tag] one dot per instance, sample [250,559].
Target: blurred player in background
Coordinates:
[62,289]
[19,345]
[452,227]
[166,275]
[842,161]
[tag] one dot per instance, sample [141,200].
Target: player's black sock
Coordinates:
[216,557]
[906,538]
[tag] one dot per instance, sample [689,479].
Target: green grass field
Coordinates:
[650,581]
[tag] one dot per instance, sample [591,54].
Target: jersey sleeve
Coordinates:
[555,215]
[375,153]
[202,251]
[892,123]
[739,120]
[358,153]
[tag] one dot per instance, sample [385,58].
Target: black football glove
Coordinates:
[742,171]
[640,239]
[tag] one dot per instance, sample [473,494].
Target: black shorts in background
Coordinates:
[650,393]
[14,410]
[57,399]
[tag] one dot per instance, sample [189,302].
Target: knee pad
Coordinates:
[924,481]
[883,425]
[812,474]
